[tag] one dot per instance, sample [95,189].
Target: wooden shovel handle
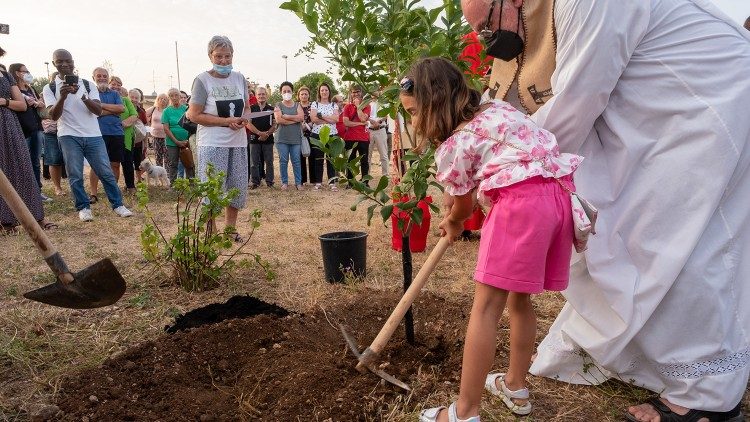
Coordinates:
[409,296]
[40,239]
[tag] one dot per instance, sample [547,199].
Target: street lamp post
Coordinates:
[286,67]
[47,63]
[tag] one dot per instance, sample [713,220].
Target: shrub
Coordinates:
[198,254]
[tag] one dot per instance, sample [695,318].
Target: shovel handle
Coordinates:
[409,296]
[40,239]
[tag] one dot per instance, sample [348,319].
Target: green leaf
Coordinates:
[370,213]
[382,184]
[416,216]
[386,212]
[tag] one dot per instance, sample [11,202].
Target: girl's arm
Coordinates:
[461,208]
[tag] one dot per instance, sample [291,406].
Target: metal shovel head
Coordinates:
[97,285]
[379,372]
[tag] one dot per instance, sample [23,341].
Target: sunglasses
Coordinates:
[406,85]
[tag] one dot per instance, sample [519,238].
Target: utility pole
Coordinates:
[47,63]
[177,57]
[171,85]
[286,67]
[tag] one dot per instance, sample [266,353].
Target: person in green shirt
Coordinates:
[128,118]
[176,135]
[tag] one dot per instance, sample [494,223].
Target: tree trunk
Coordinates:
[407,268]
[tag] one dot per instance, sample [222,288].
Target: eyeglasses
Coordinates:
[406,85]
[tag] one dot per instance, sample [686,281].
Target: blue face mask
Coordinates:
[223,70]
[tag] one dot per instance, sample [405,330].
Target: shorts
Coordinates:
[527,238]
[52,152]
[115,147]
[230,160]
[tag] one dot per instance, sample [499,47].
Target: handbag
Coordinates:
[188,125]
[305,147]
[584,221]
[140,131]
[186,157]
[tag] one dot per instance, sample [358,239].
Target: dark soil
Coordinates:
[273,368]
[237,307]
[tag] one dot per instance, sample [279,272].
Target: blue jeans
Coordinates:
[74,150]
[35,142]
[287,151]
[180,170]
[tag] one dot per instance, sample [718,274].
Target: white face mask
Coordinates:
[28,78]
[287,96]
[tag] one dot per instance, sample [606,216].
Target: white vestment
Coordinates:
[655,94]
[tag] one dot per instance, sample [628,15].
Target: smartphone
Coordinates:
[71,79]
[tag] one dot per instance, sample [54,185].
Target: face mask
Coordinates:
[223,70]
[28,78]
[287,96]
[502,44]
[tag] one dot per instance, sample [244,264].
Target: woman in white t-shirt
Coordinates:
[216,105]
[323,113]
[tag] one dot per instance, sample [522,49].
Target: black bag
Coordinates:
[188,125]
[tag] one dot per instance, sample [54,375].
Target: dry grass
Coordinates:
[40,344]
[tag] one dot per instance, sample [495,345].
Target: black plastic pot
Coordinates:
[344,253]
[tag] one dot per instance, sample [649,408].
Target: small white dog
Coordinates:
[153,171]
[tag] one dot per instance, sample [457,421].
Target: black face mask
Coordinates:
[502,44]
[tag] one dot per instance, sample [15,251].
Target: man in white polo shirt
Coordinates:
[75,107]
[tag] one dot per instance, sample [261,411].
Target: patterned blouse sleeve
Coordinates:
[457,164]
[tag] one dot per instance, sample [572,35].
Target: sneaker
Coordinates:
[253,187]
[284,186]
[122,211]
[318,186]
[46,198]
[85,214]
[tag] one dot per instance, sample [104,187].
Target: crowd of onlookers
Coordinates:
[78,122]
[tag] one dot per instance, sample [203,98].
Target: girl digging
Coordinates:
[493,151]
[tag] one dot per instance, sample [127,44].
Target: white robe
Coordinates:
[655,94]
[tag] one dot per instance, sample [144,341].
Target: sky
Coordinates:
[138,37]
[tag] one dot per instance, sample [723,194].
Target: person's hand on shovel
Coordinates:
[461,208]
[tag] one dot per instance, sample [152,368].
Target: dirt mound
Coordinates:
[237,307]
[274,368]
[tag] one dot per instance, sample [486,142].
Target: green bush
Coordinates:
[198,254]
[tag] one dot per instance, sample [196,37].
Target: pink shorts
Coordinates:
[527,238]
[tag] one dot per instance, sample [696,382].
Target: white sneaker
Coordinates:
[122,211]
[85,214]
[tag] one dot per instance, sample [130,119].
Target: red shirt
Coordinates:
[356,133]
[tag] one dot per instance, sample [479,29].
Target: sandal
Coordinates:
[507,395]
[430,415]
[236,238]
[47,225]
[8,230]
[93,199]
[667,415]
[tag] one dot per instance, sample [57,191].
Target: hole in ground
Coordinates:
[236,307]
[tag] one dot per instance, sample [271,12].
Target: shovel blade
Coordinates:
[96,286]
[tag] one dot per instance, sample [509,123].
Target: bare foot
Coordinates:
[646,412]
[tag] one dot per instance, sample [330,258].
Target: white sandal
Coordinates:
[507,395]
[430,415]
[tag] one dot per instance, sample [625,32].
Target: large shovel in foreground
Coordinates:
[368,358]
[96,286]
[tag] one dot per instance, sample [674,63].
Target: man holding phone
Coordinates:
[75,107]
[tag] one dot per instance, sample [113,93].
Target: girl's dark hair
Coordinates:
[286,83]
[443,98]
[325,84]
[2,52]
